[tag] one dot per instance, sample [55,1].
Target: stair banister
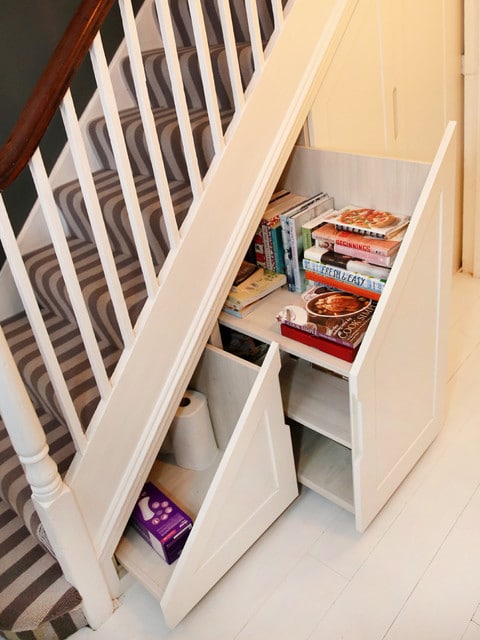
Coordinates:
[225,14]
[206,71]
[95,216]
[168,38]
[54,224]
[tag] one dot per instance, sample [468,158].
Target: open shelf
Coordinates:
[188,489]
[316,399]
[262,325]
[324,466]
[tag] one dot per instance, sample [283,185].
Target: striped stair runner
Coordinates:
[36,602]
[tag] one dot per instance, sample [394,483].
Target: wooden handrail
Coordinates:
[51,88]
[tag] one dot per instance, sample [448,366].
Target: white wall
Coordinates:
[394,84]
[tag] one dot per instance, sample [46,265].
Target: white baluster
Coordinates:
[168,38]
[94,212]
[153,143]
[40,332]
[53,222]
[206,71]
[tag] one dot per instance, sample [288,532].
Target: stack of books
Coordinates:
[347,261]
[328,319]
[354,250]
[279,239]
[251,285]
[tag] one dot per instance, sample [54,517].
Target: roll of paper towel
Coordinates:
[191,433]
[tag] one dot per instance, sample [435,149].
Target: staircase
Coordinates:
[157,203]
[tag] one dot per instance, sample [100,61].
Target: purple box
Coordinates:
[161,523]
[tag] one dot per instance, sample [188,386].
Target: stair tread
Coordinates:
[168,131]
[68,346]
[51,292]
[34,594]
[158,77]
[70,200]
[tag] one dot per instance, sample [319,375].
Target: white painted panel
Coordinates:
[254,483]
[398,380]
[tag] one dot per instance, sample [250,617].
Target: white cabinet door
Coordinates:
[394,81]
[398,379]
[254,483]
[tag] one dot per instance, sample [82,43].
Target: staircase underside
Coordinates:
[171,328]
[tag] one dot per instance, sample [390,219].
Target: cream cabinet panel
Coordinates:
[394,82]
[348,112]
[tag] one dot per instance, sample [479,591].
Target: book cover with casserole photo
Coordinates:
[370,222]
[332,314]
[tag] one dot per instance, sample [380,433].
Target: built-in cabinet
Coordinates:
[354,430]
[359,428]
[233,501]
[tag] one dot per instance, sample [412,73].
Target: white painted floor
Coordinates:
[413,575]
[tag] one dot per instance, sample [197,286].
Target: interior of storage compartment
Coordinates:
[226,382]
[316,398]
[365,181]
[323,465]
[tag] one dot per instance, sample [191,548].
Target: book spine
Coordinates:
[276,233]
[341,351]
[268,247]
[328,338]
[353,244]
[347,263]
[370,283]
[344,286]
[380,259]
[287,252]
[296,264]
[259,249]
[370,233]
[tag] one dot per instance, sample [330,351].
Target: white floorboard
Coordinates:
[413,575]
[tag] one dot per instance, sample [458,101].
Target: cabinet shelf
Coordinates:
[262,325]
[358,411]
[324,466]
[316,399]
[188,488]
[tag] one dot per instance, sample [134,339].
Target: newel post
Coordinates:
[55,503]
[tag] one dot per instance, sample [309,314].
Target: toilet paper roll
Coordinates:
[191,432]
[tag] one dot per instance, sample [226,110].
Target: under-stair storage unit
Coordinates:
[359,428]
[232,502]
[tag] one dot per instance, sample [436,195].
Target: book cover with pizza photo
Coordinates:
[370,222]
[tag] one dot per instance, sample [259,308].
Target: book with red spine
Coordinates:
[331,314]
[341,351]
[316,278]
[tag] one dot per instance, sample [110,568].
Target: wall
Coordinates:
[31,30]
[394,84]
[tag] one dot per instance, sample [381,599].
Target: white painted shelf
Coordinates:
[323,465]
[316,399]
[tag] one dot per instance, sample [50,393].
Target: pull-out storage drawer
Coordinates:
[249,484]
[359,428]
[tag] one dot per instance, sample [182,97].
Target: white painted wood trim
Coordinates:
[471,179]
[57,233]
